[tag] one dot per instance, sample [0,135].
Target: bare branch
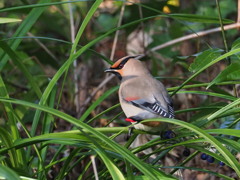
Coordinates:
[194,35]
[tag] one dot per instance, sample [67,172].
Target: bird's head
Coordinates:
[127,67]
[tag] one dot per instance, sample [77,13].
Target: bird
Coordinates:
[141,96]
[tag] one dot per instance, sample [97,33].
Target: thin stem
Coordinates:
[117,32]
[192,36]
[222,28]
[75,75]
[94,167]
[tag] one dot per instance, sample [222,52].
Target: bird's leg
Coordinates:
[130,130]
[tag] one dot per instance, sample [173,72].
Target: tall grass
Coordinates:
[26,155]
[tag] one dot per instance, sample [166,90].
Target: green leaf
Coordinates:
[230,53]
[113,169]
[188,17]
[39,5]
[15,156]
[97,102]
[236,44]
[9,110]
[230,132]
[208,138]
[9,20]
[22,30]
[204,58]
[7,173]
[6,140]
[21,66]
[84,24]
[67,64]
[232,98]
[232,72]
[199,18]
[143,167]
[224,109]
[201,170]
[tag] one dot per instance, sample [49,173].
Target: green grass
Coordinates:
[30,146]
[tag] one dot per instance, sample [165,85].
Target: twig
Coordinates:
[117,32]
[75,77]
[103,83]
[222,29]
[43,46]
[194,35]
[94,167]
[238,17]
[107,77]
[142,27]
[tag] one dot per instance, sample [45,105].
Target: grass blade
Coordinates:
[144,168]
[210,139]
[22,30]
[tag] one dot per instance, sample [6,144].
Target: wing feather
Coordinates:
[155,108]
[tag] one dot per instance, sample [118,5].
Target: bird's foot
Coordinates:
[130,130]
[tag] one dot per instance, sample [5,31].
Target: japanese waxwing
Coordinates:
[141,96]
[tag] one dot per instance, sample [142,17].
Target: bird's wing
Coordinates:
[154,107]
[147,98]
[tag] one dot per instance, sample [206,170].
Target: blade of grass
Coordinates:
[201,170]
[207,93]
[97,102]
[6,140]
[40,5]
[20,65]
[84,24]
[63,68]
[205,67]
[16,156]
[7,173]
[144,168]
[224,109]
[22,30]
[67,64]
[47,128]
[107,60]
[112,168]
[9,20]
[223,150]
[63,170]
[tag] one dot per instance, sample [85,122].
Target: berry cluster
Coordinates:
[210,159]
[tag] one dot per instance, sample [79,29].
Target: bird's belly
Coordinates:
[131,110]
[153,126]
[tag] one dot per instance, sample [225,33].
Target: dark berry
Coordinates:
[221,163]
[168,134]
[210,159]
[186,152]
[204,156]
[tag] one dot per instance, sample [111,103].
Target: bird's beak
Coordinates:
[115,72]
[110,70]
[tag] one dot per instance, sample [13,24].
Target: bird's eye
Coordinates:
[120,66]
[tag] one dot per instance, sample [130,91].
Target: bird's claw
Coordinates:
[130,130]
